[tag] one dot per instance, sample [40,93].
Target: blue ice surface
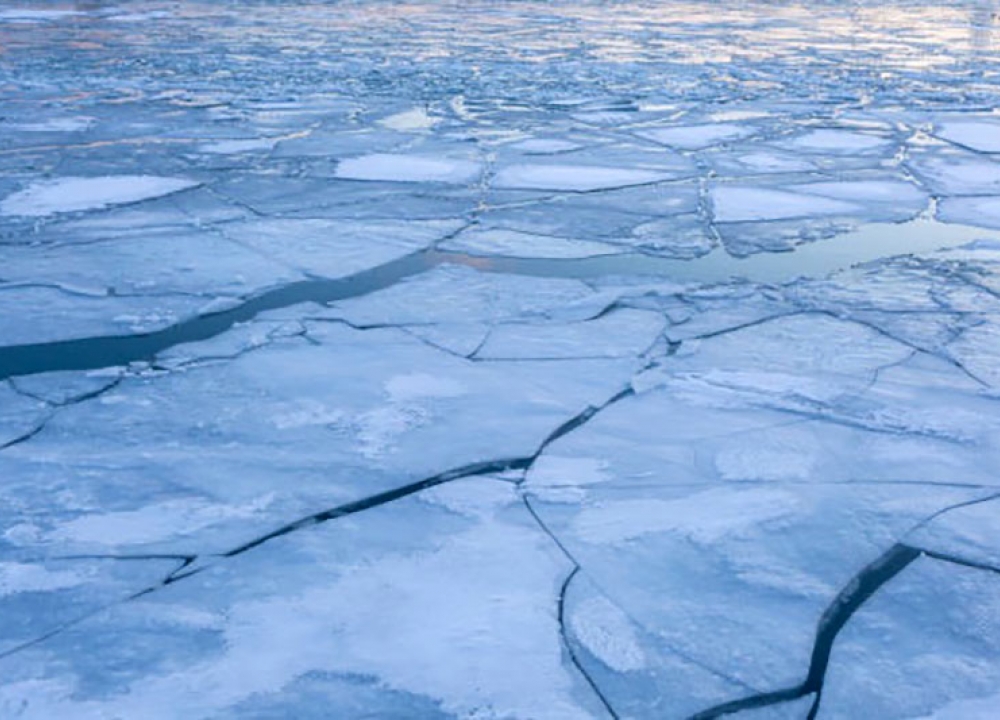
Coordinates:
[393,359]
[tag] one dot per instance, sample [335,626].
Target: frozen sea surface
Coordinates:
[500,360]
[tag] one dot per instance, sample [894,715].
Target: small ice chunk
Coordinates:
[703,518]
[409,168]
[749,204]
[72,194]
[573,178]
[696,137]
[512,243]
[837,142]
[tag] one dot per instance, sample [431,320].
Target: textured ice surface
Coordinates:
[386,360]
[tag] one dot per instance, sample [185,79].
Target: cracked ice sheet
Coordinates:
[230,450]
[925,645]
[451,296]
[440,605]
[743,523]
[640,674]
[728,566]
[157,284]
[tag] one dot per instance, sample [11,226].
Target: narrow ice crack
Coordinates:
[855,594]
[563,633]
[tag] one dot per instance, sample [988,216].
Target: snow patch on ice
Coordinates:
[18,577]
[705,517]
[608,634]
[156,522]
[72,194]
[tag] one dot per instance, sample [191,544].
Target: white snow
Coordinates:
[72,194]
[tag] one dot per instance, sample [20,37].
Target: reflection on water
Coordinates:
[817,259]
